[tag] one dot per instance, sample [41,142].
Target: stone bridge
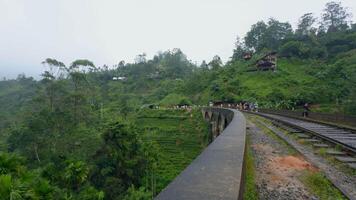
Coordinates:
[218,118]
[218,172]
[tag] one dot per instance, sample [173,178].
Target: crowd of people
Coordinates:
[244,105]
[248,106]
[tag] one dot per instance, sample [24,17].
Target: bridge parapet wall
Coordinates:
[217,173]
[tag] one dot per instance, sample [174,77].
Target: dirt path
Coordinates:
[277,167]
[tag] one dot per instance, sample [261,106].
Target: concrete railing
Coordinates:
[218,172]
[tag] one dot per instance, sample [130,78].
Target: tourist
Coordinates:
[306,110]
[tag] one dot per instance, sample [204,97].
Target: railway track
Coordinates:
[339,136]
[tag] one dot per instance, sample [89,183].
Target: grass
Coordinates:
[180,136]
[288,77]
[338,147]
[320,186]
[302,141]
[250,190]
[322,152]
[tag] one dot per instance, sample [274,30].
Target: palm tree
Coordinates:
[75,174]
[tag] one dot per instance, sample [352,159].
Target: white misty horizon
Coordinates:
[106,32]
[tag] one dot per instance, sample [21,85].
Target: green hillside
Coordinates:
[88,132]
[180,137]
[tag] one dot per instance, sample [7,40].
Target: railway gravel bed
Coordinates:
[277,170]
[344,182]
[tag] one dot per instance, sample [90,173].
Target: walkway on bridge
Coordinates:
[217,172]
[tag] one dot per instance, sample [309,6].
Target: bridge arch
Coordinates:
[214,124]
[219,128]
[226,122]
[207,115]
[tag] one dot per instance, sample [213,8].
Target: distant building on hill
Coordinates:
[119,78]
[247,56]
[150,106]
[154,75]
[267,62]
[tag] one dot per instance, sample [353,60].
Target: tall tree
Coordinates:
[335,17]
[276,32]
[122,161]
[216,63]
[55,69]
[305,24]
[77,72]
[255,37]
[240,49]
[268,36]
[204,65]
[140,58]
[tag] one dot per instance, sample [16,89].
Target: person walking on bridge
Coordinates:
[256,107]
[306,110]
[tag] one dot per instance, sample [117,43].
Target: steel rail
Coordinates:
[318,129]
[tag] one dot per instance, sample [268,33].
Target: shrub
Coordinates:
[294,49]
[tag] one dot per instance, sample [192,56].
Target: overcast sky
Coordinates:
[107,31]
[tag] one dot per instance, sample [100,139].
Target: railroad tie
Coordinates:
[320,145]
[346,159]
[352,165]
[303,136]
[312,140]
[335,153]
